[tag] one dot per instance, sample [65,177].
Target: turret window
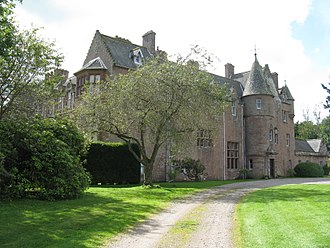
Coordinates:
[258,103]
[271,135]
[276,136]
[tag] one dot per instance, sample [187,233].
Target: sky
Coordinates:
[292,37]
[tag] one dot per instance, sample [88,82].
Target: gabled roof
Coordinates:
[94,64]
[303,146]
[285,91]
[311,146]
[121,50]
[256,83]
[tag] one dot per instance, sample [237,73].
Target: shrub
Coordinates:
[193,169]
[245,174]
[112,163]
[326,169]
[308,169]
[40,158]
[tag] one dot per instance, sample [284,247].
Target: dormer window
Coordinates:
[137,56]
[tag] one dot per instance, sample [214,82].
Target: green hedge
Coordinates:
[326,169]
[110,163]
[308,169]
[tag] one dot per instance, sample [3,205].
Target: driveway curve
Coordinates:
[215,229]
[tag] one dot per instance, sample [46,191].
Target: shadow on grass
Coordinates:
[85,222]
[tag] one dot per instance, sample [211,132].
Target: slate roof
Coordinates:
[120,50]
[285,91]
[256,83]
[230,83]
[303,146]
[311,146]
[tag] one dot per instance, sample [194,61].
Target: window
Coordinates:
[250,165]
[92,78]
[97,78]
[276,136]
[285,116]
[271,135]
[287,139]
[233,109]
[204,139]
[137,56]
[258,103]
[232,155]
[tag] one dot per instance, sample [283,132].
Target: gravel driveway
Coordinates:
[215,229]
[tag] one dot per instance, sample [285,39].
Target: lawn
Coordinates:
[100,214]
[285,216]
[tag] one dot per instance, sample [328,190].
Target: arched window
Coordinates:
[275,135]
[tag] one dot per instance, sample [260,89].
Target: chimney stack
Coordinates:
[275,78]
[229,70]
[149,41]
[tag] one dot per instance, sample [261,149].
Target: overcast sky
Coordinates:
[292,36]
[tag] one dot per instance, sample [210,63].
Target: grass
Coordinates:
[285,216]
[90,221]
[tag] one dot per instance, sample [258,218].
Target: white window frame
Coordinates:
[258,103]
[275,135]
[285,116]
[287,139]
[233,108]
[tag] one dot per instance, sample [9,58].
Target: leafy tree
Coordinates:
[327,101]
[306,130]
[325,131]
[25,59]
[162,101]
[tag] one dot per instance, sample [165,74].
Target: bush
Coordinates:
[326,170]
[191,168]
[308,169]
[41,158]
[111,163]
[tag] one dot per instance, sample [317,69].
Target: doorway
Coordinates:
[272,168]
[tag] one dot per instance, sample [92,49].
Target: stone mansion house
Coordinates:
[256,132]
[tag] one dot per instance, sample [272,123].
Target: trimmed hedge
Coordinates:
[308,169]
[112,163]
[326,169]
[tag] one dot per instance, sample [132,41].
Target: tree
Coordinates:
[162,101]
[306,130]
[327,101]
[325,131]
[25,59]
[309,130]
[41,158]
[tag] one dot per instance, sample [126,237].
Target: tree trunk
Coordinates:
[148,167]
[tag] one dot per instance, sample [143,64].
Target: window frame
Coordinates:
[258,103]
[232,155]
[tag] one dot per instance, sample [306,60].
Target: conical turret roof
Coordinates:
[256,83]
